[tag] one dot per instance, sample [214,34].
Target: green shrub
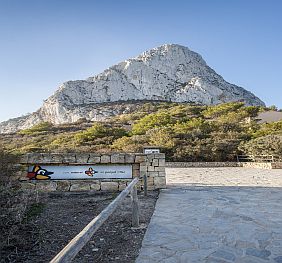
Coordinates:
[151,121]
[220,109]
[268,128]
[98,130]
[134,143]
[161,137]
[38,128]
[265,145]
[193,124]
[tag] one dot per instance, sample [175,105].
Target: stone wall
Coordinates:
[269,165]
[277,165]
[262,165]
[152,165]
[257,165]
[202,164]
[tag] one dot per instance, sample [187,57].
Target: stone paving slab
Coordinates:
[227,223]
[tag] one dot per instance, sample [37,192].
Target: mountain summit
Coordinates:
[167,73]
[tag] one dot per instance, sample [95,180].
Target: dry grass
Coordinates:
[14,204]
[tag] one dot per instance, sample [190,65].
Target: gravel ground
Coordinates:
[223,176]
[65,214]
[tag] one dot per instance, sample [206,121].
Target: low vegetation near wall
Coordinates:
[16,205]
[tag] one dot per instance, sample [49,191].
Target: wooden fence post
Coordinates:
[135,207]
[145,185]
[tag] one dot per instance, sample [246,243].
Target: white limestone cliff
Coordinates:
[167,73]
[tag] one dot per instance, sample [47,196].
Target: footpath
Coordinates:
[216,215]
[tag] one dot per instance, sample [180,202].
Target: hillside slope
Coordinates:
[166,73]
[185,133]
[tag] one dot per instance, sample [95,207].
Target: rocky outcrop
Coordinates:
[167,73]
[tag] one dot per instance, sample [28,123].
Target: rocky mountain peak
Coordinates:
[169,72]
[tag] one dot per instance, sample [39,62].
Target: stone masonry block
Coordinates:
[159,155]
[160,169]
[150,157]
[155,162]
[136,166]
[142,173]
[63,185]
[122,185]
[34,158]
[159,182]
[150,181]
[94,158]
[117,158]
[109,186]
[129,158]
[69,158]
[46,186]
[82,158]
[105,159]
[80,186]
[153,174]
[45,158]
[140,158]
[95,185]
[161,162]
[162,174]
[135,173]
[150,168]
[56,158]
[143,168]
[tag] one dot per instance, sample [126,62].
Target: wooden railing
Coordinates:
[258,158]
[68,253]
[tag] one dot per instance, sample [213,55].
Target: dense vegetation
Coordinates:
[185,132]
[14,204]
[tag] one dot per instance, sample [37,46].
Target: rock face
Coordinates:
[167,73]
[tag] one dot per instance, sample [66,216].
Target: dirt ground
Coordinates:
[63,215]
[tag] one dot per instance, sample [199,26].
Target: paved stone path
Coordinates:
[236,218]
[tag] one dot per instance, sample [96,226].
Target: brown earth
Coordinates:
[63,215]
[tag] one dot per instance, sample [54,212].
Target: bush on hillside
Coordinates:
[268,128]
[98,131]
[38,128]
[265,145]
[154,120]
[134,143]
[161,137]
[222,109]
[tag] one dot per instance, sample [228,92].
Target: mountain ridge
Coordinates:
[170,72]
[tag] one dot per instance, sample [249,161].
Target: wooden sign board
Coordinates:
[68,172]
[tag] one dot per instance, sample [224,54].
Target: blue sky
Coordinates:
[44,43]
